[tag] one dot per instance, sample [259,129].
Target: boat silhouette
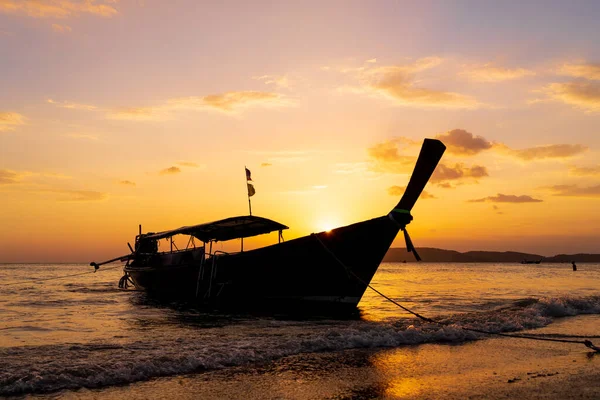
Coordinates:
[329,269]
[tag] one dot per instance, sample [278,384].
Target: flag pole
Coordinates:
[249,203]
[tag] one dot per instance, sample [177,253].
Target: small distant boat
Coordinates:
[531,261]
[326,269]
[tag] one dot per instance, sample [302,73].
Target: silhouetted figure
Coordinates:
[574,266]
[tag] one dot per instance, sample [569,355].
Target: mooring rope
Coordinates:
[56,277]
[586,342]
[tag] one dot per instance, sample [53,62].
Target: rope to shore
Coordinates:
[586,342]
[57,277]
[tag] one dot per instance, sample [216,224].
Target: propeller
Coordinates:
[429,157]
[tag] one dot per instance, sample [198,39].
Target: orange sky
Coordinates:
[115,113]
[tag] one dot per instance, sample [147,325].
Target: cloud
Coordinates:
[399,191]
[80,195]
[188,164]
[170,171]
[464,143]
[398,83]
[445,173]
[581,94]
[582,70]
[61,28]
[8,177]
[399,87]
[11,177]
[138,114]
[72,106]
[461,142]
[127,183]
[232,100]
[491,73]
[10,120]
[386,158]
[57,8]
[266,164]
[281,81]
[507,198]
[372,61]
[575,191]
[229,102]
[75,195]
[544,152]
[584,171]
[445,185]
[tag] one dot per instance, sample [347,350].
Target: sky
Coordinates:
[115,113]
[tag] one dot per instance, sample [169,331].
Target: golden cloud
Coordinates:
[461,142]
[72,106]
[138,114]
[188,164]
[170,171]
[445,185]
[75,195]
[544,152]
[575,191]
[266,164]
[491,73]
[587,71]
[81,195]
[57,8]
[399,191]
[444,173]
[584,171]
[10,120]
[281,81]
[386,158]
[231,100]
[61,28]
[398,84]
[228,102]
[581,94]
[127,183]
[8,177]
[507,198]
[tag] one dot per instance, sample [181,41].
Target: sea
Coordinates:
[68,332]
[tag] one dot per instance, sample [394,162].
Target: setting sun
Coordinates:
[327,224]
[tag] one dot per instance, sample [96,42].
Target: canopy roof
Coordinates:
[225,229]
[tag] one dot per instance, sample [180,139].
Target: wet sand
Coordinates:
[496,368]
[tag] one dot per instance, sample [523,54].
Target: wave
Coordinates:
[50,368]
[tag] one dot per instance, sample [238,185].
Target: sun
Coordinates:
[326,225]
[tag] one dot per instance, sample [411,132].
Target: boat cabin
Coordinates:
[217,231]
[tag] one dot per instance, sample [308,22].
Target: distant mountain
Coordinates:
[430,254]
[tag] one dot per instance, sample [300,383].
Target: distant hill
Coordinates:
[430,254]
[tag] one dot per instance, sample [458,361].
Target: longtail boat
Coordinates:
[325,269]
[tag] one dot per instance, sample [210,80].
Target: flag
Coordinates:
[248,177]
[251,190]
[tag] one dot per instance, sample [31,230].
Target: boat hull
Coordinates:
[330,269]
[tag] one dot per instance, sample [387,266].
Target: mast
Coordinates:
[250,188]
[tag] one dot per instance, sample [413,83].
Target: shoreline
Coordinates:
[492,368]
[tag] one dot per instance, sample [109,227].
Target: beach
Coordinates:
[496,368]
[84,338]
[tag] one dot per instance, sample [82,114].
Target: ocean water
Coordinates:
[64,336]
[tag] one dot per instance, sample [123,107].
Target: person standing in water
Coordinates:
[574,266]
